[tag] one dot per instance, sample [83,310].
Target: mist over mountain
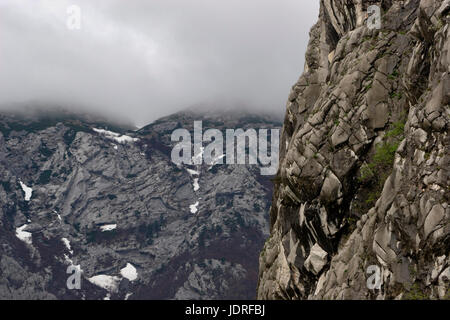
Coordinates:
[152,58]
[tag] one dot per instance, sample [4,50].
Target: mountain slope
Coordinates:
[363,178]
[111,201]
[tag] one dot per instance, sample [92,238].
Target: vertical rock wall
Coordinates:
[363,178]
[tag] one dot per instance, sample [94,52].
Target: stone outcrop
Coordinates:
[363,178]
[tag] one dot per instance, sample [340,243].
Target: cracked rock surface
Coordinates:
[363,178]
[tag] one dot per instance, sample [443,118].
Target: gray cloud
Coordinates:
[146,59]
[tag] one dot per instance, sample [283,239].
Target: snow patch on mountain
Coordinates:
[24,235]
[192,172]
[108,227]
[115,136]
[129,272]
[194,207]
[28,191]
[109,283]
[128,295]
[196,185]
[67,244]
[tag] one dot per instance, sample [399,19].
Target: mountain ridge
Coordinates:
[102,201]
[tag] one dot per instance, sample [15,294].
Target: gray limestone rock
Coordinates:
[371,155]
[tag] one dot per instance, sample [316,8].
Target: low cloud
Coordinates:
[145,59]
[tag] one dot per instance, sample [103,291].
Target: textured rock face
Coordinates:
[363,178]
[116,206]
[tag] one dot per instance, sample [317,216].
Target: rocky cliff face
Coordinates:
[79,192]
[363,178]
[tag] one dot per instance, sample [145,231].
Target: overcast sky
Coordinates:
[143,59]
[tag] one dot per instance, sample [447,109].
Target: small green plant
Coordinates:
[382,160]
[351,221]
[374,173]
[415,293]
[367,172]
[393,75]
[447,295]
[397,130]
[396,95]
[373,196]
[385,153]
